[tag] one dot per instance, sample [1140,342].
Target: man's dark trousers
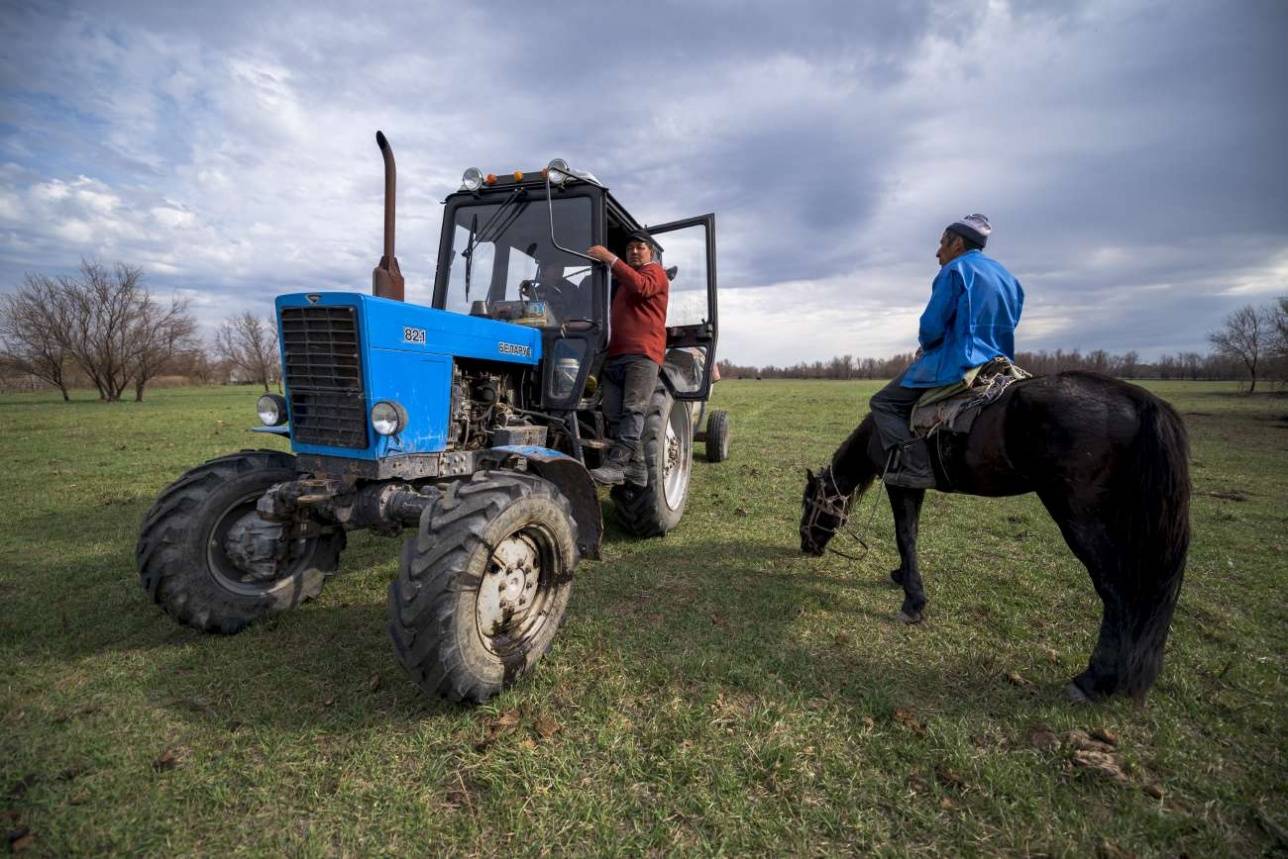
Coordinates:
[628,381]
[891,410]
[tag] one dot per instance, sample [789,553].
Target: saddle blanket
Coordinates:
[953,408]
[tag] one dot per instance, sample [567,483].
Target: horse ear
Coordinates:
[809,474]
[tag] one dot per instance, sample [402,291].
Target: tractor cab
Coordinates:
[513,249]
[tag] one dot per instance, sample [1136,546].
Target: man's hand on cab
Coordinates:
[602,254]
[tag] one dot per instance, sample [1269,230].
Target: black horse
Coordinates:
[1109,461]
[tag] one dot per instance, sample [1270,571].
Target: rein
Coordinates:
[836,504]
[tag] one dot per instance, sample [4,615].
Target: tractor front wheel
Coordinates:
[482,587]
[208,559]
[667,440]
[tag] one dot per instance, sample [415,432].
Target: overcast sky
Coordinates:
[1130,155]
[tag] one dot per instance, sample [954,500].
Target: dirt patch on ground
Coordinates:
[1228,494]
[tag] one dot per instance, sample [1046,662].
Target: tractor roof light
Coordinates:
[272,410]
[557,171]
[472,180]
[560,173]
[388,418]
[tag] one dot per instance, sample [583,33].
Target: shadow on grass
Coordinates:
[727,615]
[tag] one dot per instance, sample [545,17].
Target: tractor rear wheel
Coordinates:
[482,587]
[667,441]
[718,436]
[209,560]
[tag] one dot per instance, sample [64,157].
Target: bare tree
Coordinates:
[101,306]
[33,323]
[1130,364]
[249,344]
[195,363]
[109,326]
[1243,338]
[1192,362]
[1278,317]
[158,336]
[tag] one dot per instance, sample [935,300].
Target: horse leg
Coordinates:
[1102,676]
[906,506]
[1088,535]
[1133,626]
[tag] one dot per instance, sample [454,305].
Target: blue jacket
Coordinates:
[974,307]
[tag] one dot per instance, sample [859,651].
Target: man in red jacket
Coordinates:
[636,350]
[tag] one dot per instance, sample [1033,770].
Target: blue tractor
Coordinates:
[471,422]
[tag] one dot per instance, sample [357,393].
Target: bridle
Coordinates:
[834,503]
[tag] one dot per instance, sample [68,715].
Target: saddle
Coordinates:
[953,408]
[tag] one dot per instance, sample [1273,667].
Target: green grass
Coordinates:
[713,692]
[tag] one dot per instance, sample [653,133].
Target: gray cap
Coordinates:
[973,227]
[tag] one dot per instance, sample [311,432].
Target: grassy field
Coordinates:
[713,692]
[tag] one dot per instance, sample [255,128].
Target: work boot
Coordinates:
[613,469]
[637,469]
[908,466]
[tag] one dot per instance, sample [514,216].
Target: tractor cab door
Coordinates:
[689,250]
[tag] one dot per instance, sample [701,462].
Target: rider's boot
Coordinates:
[613,470]
[908,466]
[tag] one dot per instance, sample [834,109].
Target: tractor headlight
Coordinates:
[472,180]
[388,418]
[272,410]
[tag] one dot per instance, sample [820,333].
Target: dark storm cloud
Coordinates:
[1128,155]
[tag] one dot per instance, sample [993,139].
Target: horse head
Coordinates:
[824,509]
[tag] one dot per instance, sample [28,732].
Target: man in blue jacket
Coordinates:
[974,307]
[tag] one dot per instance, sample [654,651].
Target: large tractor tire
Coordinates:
[652,510]
[482,587]
[206,557]
[718,436]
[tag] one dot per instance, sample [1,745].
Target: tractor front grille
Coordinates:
[324,376]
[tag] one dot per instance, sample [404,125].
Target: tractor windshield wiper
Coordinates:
[477,235]
[468,253]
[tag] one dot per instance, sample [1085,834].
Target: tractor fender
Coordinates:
[574,481]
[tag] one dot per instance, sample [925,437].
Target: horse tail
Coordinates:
[1154,515]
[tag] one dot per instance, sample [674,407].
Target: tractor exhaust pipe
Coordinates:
[387,280]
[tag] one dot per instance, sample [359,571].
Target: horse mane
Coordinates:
[852,468]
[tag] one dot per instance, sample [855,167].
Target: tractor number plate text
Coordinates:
[514,349]
[414,335]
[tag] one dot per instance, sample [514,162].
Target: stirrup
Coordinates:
[895,475]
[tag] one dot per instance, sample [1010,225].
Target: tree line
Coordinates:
[1250,345]
[102,328]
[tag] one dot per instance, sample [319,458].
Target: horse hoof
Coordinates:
[1075,694]
[910,619]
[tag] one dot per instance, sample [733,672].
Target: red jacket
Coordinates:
[639,311]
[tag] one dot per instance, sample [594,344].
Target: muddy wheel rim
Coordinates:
[677,461]
[513,597]
[226,571]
